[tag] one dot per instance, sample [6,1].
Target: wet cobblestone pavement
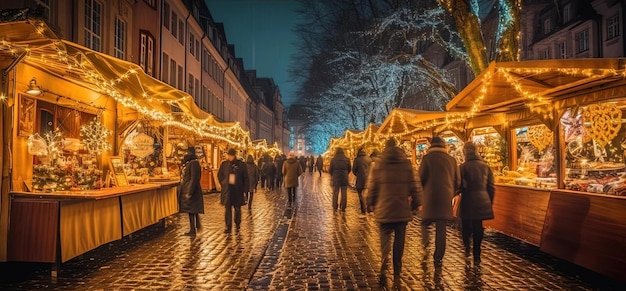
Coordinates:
[305,246]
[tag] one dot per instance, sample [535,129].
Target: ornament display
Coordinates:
[95,137]
[540,136]
[603,122]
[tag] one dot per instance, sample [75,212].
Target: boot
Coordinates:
[198,225]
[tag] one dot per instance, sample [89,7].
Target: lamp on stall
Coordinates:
[33,88]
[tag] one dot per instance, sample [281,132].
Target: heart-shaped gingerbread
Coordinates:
[602,122]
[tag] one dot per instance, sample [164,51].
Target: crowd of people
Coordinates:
[386,182]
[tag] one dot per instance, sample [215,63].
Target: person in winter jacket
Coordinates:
[291,172]
[253,177]
[269,170]
[339,169]
[280,159]
[319,164]
[441,179]
[233,176]
[477,193]
[189,191]
[393,195]
[361,168]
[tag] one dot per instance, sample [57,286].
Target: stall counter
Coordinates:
[56,227]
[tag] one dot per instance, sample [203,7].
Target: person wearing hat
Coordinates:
[189,191]
[441,179]
[233,177]
[291,172]
[477,191]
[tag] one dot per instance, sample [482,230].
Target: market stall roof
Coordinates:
[508,86]
[124,81]
[405,122]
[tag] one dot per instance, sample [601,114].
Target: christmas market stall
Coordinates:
[76,114]
[553,133]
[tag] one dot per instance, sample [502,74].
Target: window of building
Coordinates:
[146,52]
[166,15]
[165,70]
[197,45]
[192,41]
[173,72]
[563,50]
[120,39]
[205,60]
[190,89]
[174,29]
[545,54]
[93,13]
[180,84]
[150,56]
[567,12]
[44,5]
[196,89]
[582,41]
[181,32]
[547,28]
[612,27]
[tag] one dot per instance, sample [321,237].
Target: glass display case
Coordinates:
[594,148]
[534,157]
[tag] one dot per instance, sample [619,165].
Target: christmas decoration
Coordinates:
[604,122]
[540,136]
[95,137]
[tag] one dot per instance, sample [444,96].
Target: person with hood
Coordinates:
[189,191]
[319,164]
[269,170]
[339,169]
[360,169]
[393,195]
[291,172]
[253,177]
[477,193]
[233,176]
[441,180]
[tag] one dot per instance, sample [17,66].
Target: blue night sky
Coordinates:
[261,31]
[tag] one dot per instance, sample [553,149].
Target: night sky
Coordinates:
[262,32]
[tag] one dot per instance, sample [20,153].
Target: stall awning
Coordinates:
[511,86]
[403,122]
[124,81]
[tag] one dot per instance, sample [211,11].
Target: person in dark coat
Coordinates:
[360,169]
[189,192]
[339,169]
[477,193]
[261,163]
[319,164]
[441,180]
[302,161]
[280,159]
[269,170]
[393,195]
[311,164]
[233,176]
[291,172]
[253,177]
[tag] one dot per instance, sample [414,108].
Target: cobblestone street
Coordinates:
[304,247]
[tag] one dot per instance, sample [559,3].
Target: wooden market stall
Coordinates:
[554,133]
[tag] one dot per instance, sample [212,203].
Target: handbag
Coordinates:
[456,205]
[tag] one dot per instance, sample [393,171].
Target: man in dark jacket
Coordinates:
[477,191]
[393,195]
[190,198]
[269,170]
[339,169]
[233,176]
[441,179]
[319,164]
[360,169]
[280,159]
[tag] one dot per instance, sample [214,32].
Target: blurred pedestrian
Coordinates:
[311,163]
[269,170]
[280,159]
[302,161]
[291,172]
[440,177]
[393,195]
[360,169]
[253,177]
[339,169]
[260,164]
[189,194]
[477,193]
[319,164]
[233,176]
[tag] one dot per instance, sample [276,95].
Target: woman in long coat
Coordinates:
[189,191]
[339,169]
[253,177]
[291,172]
[360,169]
[477,193]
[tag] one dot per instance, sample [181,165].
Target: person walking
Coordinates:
[189,191]
[477,193]
[253,177]
[269,170]
[260,164]
[280,159]
[440,179]
[302,160]
[360,169]
[291,172]
[393,195]
[339,169]
[232,175]
[311,163]
[319,164]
